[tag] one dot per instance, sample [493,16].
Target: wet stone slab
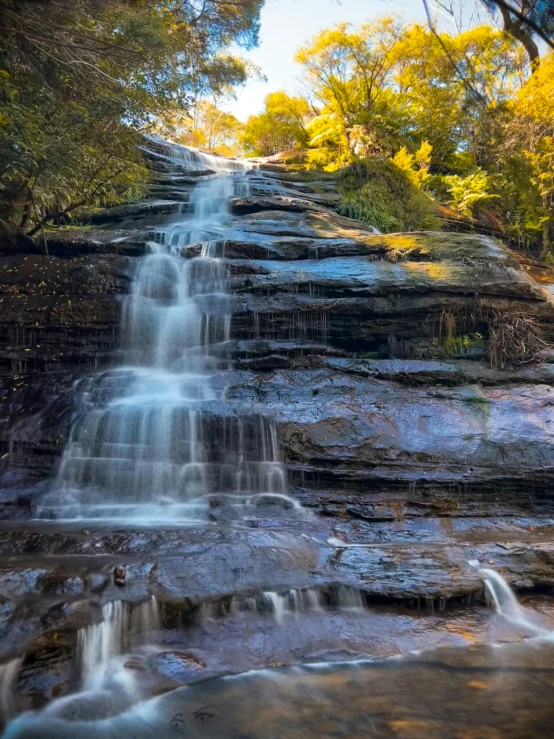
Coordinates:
[56,579]
[471,692]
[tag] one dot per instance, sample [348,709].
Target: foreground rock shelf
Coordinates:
[56,579]
[450,692]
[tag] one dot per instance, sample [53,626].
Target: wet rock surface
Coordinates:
[231,599]
[409,452]
[449,692]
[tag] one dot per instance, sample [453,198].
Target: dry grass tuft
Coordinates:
[397,255]
[514,339]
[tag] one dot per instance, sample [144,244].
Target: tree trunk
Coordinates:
[26,217]
[546,251]
[516,29]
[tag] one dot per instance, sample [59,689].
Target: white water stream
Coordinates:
[507,605]
[121,629]
[8,677]
[167,438]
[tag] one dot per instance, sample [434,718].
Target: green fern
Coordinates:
[468,193]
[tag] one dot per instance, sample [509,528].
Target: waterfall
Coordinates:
[293,602]
[121,628]
[506,603]
[159,436]
[8,676]
[190,158]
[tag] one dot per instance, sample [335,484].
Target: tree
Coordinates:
[387,86]
[211,128]
[455,90]
[282,125]
[80,81]
[531,137]
[349,74]
[524,20]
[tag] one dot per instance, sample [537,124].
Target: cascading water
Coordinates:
[167,438]
[505,601]
[121,628]
[8,677]
[292,602]
[192,159]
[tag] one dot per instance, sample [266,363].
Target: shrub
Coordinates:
[379,193]
[468,193]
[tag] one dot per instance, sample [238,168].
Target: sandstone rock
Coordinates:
[417,456]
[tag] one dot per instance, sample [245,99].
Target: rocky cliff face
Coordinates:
[369,349]
[371,352]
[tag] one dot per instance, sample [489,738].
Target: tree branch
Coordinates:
[463,79]
[526,20]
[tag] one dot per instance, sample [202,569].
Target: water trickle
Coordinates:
[121,629]
[506,603]
[349,598]
[167,438]
[292,602]
[8,676]
[277,604]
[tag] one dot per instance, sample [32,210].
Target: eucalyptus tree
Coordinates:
[281,125]
[350,75]
[459,99]
[81,79]
[526,21]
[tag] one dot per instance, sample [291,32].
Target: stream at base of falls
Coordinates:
[174,586]
[478,692]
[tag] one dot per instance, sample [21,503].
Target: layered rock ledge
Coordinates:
[372,352]
[370,349]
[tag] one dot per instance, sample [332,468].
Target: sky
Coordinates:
[288,24]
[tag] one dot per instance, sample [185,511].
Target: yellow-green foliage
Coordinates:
[416,166]
[460,114]
[379,193]
[281,125]
[460,345]
[533,140]
[469,193]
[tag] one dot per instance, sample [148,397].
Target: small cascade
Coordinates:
[8,676]
[290,603]
[506,603]
[97,644]
[159,437]
[346,598]
[293,602]
[301,601]
[278,604]
[184,156]
[121,629]
[145,618]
